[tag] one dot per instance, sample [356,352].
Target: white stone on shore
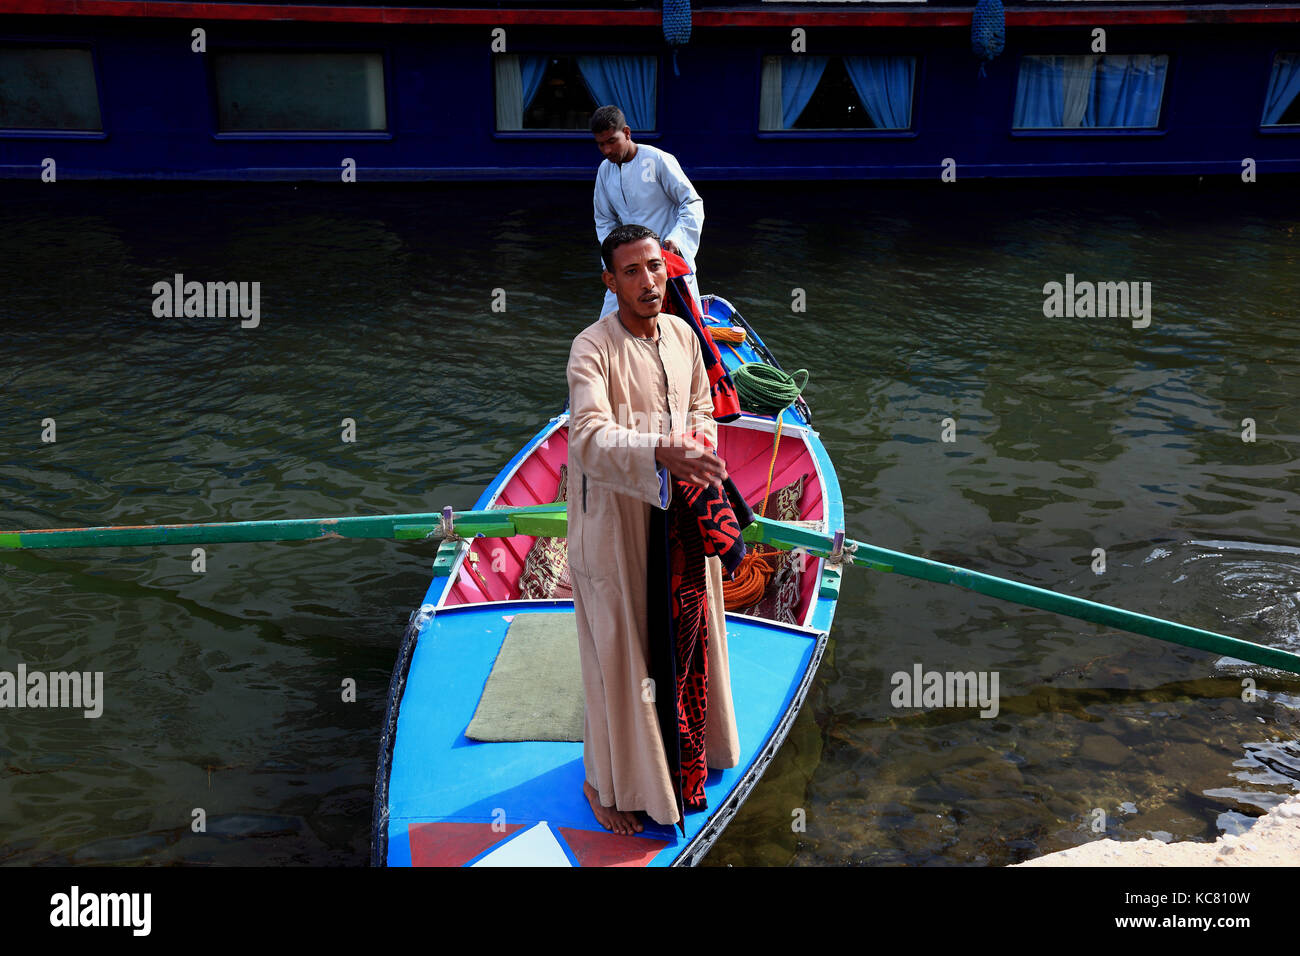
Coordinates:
[1274,840]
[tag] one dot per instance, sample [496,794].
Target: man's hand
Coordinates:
[691,460]
[671,247]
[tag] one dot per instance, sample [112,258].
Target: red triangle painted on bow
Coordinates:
[453,844]
[597,848]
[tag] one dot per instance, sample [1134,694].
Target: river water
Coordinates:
[923,319]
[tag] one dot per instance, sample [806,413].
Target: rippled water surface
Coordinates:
[924,303]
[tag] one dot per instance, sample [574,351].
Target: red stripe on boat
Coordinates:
[453,844]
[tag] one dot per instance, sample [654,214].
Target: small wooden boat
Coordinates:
[442,798]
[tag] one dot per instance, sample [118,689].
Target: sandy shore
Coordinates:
[1273,840]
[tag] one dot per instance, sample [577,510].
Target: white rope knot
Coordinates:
[842,556]
[446,530]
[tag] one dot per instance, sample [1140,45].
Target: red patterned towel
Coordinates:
[699,522]
[682,303]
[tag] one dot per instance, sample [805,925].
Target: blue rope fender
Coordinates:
[988,31]
[677,21]
[677,26]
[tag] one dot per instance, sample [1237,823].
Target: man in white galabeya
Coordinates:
[641,184]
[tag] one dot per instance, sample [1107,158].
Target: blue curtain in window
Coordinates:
[799,78]
[1283,87]
[531,70]
[628,82]
[884,84]
[1127,91]
[1040,92]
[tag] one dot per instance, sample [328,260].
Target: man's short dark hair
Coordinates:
[607,117]
[621,235]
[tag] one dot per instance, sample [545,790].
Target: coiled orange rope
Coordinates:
[757,567]
[751,578]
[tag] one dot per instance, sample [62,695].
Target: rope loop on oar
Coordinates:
[446,530]
[843,556]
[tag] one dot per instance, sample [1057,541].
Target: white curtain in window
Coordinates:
[769,97]
[1078,74]
[510,92]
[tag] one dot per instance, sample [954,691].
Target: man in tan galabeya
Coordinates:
[636,377]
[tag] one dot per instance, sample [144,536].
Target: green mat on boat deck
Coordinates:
[535,689]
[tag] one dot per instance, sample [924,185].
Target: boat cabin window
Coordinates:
[48,88]
[559,93]
[283,92]
[1103,91]
[1282,101]
[836,92]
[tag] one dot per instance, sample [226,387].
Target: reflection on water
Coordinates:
[1126,758]
[1071,435]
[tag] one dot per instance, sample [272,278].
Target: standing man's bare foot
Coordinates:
[617,821]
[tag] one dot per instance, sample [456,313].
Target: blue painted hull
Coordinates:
[443,799]
[440,776]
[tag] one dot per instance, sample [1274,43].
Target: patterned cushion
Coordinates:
[781,599]
[546,568]
[787,583]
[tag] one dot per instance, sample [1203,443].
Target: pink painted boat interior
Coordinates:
[492,574]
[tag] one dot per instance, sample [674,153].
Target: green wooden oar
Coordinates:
[496,523]
[550,520]
[787,536]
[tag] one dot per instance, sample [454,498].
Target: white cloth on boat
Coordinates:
[649,190]
[622,389]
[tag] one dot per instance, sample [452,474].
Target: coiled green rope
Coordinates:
[766,389]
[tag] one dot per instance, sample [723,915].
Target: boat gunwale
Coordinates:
[380,811]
